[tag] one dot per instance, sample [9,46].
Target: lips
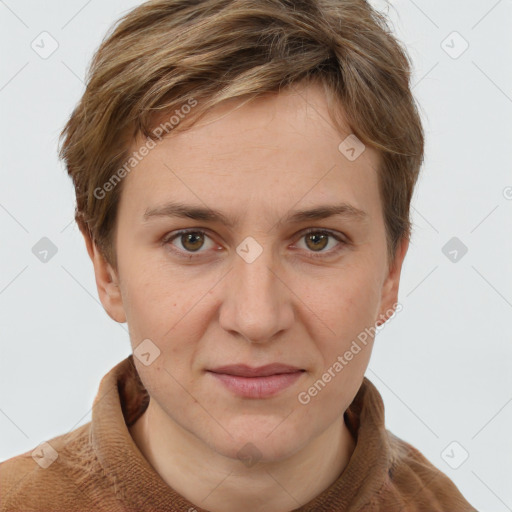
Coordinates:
[256,383]
[242,370]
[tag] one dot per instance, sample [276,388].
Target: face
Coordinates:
[244,279]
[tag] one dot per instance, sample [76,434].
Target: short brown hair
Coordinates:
[165,52]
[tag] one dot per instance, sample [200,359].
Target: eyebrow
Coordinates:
[181,210]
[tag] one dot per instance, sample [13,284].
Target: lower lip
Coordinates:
[257,387]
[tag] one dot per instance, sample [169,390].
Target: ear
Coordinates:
[389,297]
[107,282]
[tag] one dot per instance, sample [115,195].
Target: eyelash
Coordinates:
[191,255]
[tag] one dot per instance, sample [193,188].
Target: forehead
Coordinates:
[270,153]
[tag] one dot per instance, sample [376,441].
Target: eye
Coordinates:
[189,241]
[316,240]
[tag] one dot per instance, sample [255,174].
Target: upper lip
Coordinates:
[243,370]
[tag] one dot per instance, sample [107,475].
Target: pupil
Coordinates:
[315,238]
[192,238]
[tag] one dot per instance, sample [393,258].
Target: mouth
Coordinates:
[261,382]
[243,370]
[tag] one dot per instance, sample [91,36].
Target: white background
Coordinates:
[442,365]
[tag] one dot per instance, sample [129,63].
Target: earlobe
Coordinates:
[107,282]
[389,297]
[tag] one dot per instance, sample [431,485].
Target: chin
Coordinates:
[259,440]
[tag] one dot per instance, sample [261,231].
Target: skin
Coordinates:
[209,308]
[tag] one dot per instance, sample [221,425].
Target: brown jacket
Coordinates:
[98,467]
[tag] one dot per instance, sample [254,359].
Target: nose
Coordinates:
[257,303]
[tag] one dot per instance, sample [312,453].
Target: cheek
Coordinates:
[345,311]
[347,302]
[344,341]
[166,312]
[152,300]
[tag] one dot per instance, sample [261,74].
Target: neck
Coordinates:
[221,484]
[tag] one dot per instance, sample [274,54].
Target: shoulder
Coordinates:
[414,479]
[52,476]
